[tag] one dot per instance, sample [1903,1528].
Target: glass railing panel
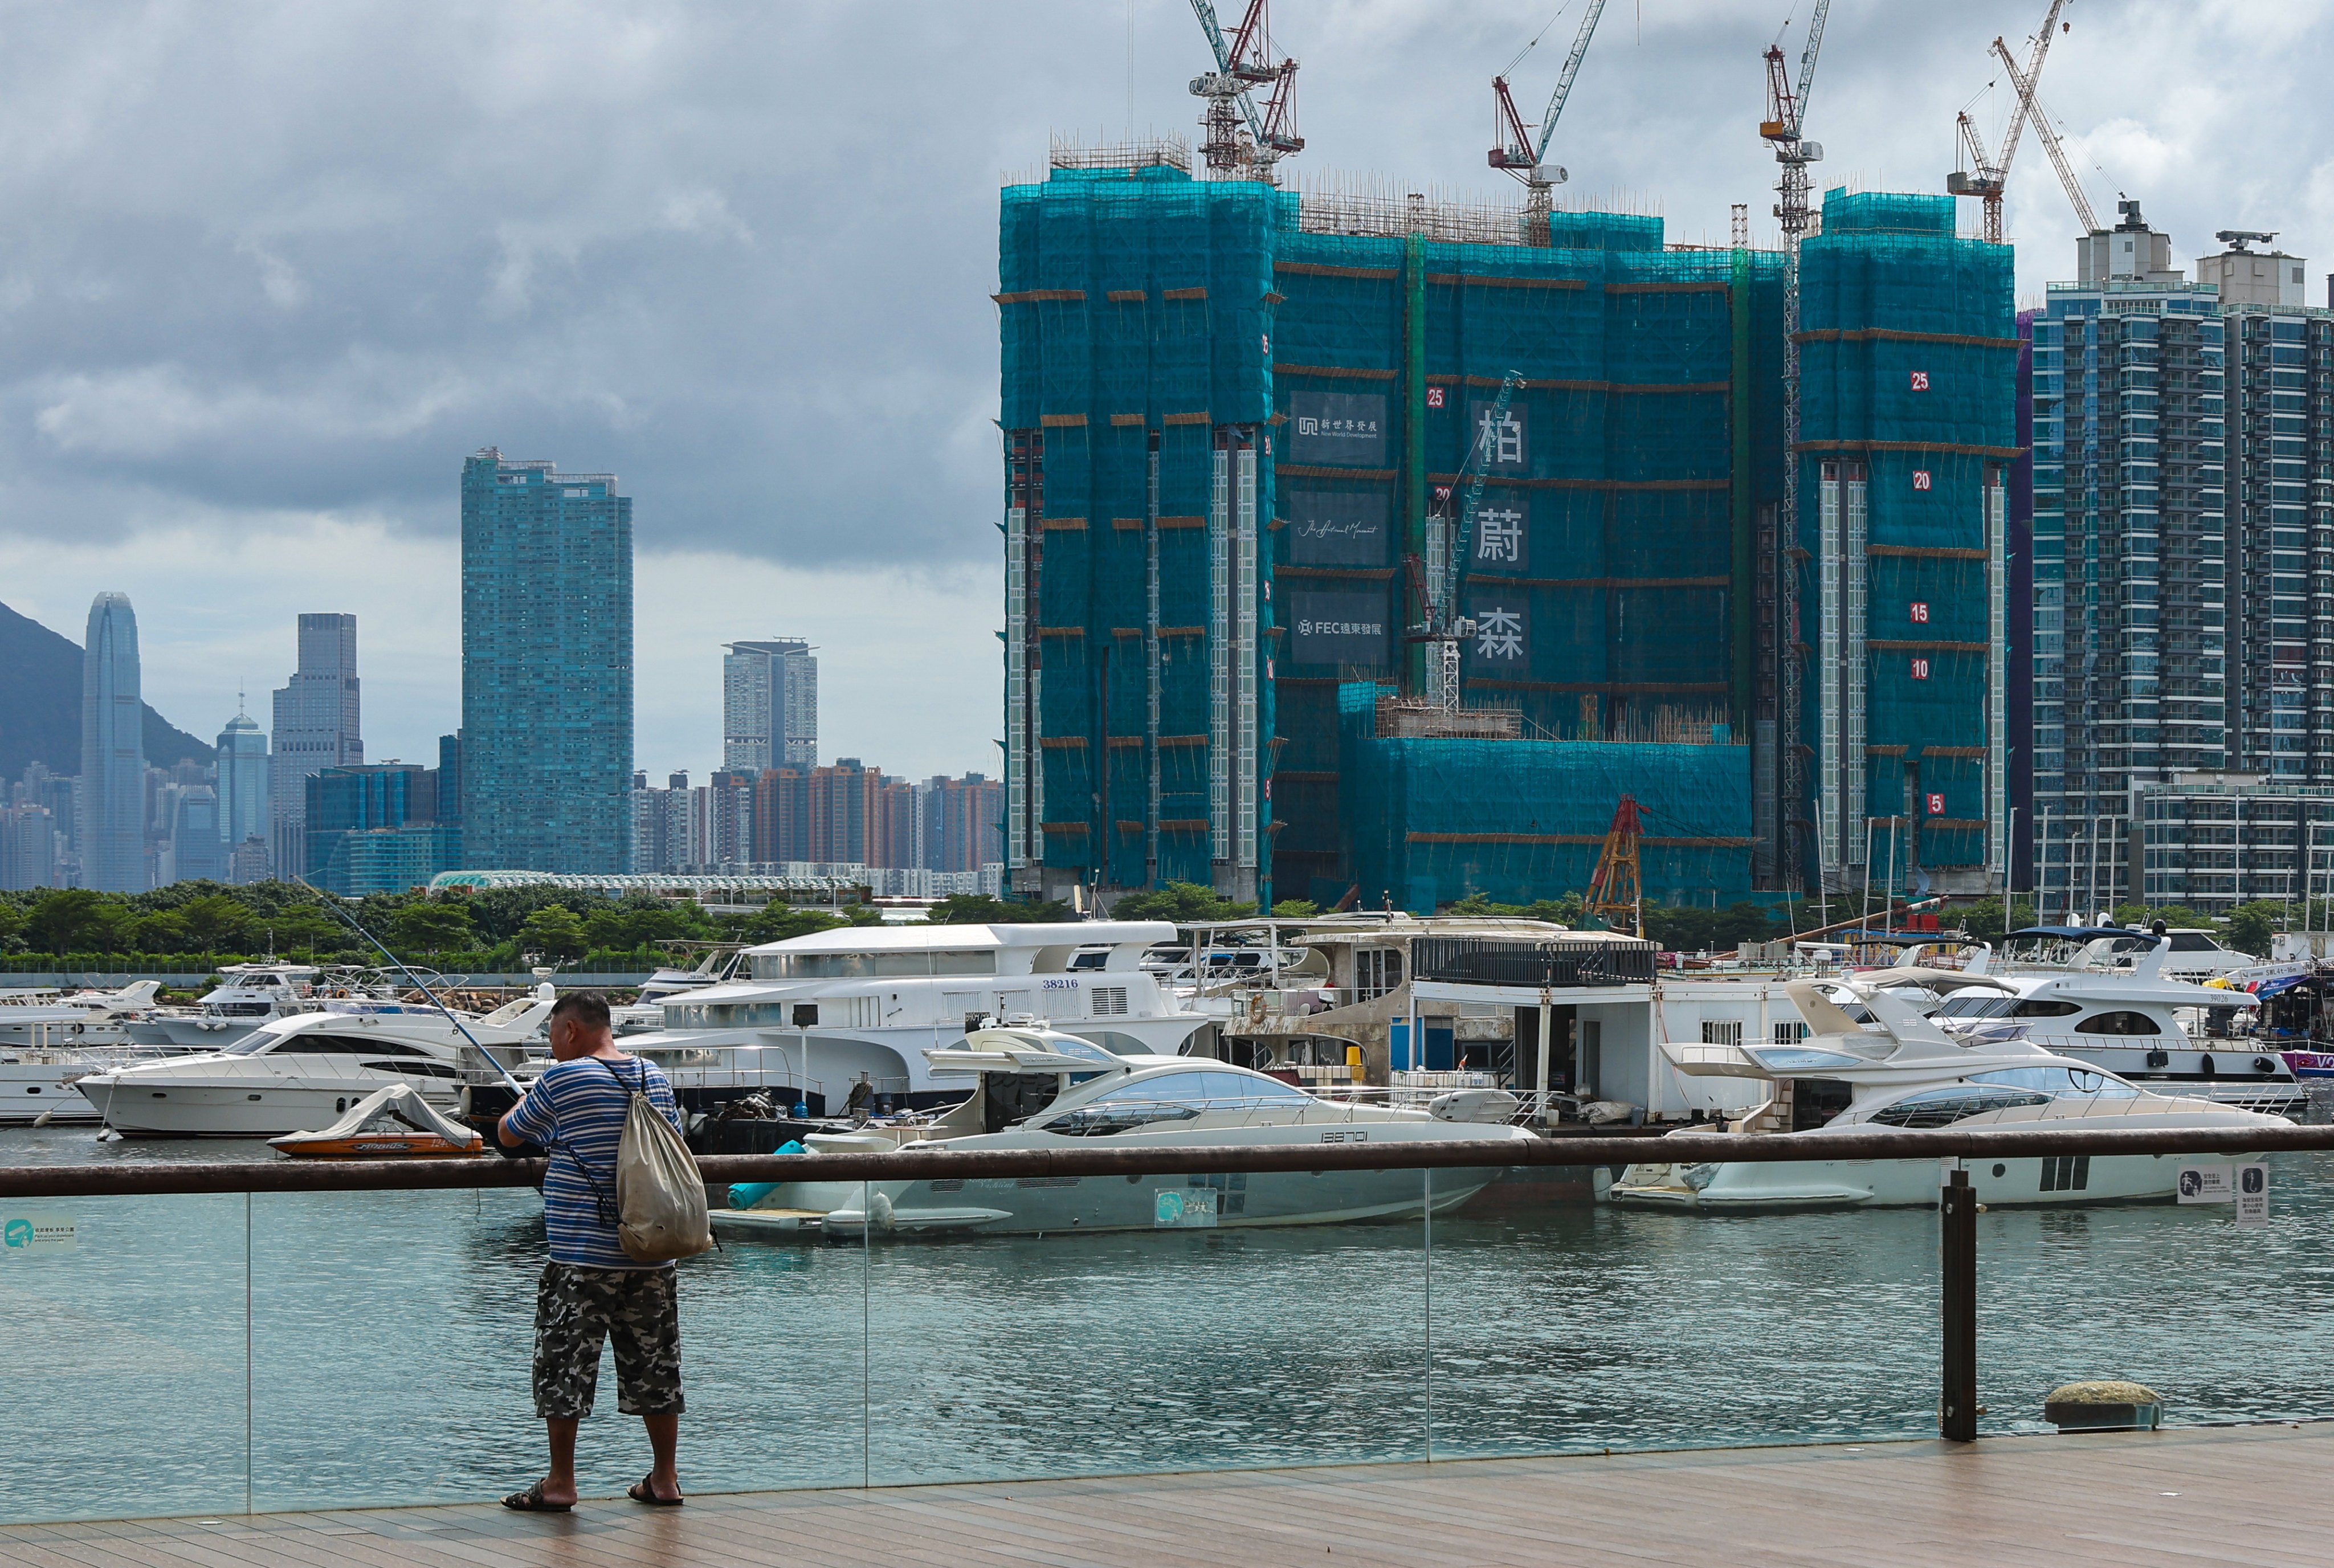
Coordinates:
[2227,1323]
[394,1353]
[1134,1336]
[122,1328]
[1563,1324]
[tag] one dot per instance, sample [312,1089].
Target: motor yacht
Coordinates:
[813,1015]
[2195,955]
[1041,1088]
[299,1072]
[247,996]
[2125,1020]
[55,1019]
[1911,1074]
[720,961]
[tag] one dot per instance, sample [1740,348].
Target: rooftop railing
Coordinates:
[1512,961]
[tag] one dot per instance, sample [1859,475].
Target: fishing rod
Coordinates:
[451,1017]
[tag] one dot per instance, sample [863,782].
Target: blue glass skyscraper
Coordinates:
[112,808]
[546,755]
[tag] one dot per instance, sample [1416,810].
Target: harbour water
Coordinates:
[200,1353]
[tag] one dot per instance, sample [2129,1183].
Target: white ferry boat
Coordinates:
[814,1016]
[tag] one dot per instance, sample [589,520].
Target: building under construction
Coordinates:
[1239,421]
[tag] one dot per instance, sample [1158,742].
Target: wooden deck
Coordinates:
[2255,1496]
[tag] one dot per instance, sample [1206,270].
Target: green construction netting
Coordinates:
[1141,301]
[1516,820]
[1908,365]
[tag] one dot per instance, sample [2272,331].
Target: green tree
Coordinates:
[1186,903]
[438,926]
[778,923]
[1985,921]
[1295,909]
[159,932]
[73,920]
[553,930]
[12,923]
[214,923]
[2252,925]
[981,910]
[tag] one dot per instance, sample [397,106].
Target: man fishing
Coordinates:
[591,1288]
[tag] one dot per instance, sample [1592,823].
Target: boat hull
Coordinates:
[2058,1181]
[1054,1205]
[244,1107]
[30,1090]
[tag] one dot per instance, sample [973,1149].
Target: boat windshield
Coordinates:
[2060,1082]
[1977,1005]
[1212,1090]
[1953,1102]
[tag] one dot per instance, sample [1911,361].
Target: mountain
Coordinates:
[40,705]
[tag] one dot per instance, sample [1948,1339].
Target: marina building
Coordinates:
[1236,424]
[546,764]
[242,792]
[769,705]
[111,814]
[317,724]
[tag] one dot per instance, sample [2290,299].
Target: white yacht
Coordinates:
[1914,1074]
[299,1072]
[1043,1089]
[2195,955]
[815,1014]
[58,1019]
[247,996]
[2125,1020]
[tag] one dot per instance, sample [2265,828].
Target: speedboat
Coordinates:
[1911,1074]
[393,1122]
[1037,1088]
[2125,1020]
[297,1072]
[813,1015]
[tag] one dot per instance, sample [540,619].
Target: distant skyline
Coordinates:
[271,273]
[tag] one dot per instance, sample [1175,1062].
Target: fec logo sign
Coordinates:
[27,1233]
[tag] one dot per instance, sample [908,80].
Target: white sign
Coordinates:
[1194,1206]
[2206,1183]
[2252,1195]
[24,1232]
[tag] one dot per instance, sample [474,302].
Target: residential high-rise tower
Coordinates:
[546,762]
[112,751]
[769,705]
[315,727]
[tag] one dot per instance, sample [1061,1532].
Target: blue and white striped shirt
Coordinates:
[576,1110]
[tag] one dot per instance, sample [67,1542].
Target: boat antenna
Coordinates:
[419,984]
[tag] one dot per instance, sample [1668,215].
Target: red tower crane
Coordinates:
[1241,137]
[1617,893]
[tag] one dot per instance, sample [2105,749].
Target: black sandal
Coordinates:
[644,1491]
[531,1502]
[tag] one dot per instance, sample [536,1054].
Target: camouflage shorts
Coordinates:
[575,1309]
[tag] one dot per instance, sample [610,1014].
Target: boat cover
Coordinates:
[401,1101]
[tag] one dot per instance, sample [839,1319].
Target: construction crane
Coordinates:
[1787,110]
[1438,583]
[1616,892]
[2025,87]
[1521,153]
[1241,138]
[1989,173]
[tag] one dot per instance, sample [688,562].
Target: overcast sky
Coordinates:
[268,271]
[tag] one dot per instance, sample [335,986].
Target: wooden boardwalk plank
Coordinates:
[2257,1496]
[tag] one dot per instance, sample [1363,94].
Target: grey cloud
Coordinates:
[269,258]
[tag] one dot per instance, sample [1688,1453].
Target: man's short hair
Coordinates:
[589,1009]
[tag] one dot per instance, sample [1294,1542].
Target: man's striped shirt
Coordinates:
[576,1110]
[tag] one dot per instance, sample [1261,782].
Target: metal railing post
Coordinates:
[1957,1407]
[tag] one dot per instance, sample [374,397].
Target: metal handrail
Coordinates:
[930,1161]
